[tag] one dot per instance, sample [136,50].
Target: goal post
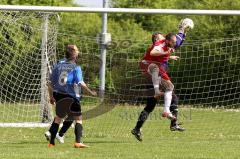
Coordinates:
[45,113]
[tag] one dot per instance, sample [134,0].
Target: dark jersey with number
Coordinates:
[66,78]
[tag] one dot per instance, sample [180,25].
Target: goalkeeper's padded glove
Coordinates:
[183,27]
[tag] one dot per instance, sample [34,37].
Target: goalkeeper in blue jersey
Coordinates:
[64,90]
[152,101]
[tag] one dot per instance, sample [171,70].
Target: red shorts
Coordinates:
[162,69]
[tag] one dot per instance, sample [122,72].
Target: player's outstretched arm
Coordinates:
[84,85]
[158,51]
[79,80]
[184,26]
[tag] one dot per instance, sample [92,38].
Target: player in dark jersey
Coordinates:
[64,86]
[65,126]
[156,65]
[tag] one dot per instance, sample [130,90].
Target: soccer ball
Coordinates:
[186,23]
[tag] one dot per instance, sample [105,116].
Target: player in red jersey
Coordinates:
[154,65]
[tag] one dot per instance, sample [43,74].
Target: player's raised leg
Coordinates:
[168,89]
[153,70]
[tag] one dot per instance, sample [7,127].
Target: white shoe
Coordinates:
[47,135]
[60,139]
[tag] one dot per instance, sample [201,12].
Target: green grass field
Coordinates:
[211,134]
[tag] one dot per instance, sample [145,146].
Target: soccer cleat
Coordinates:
[137,134]
[51,145]
[80,145]
[47,135]
[177,128]
[60,139]
[169,116]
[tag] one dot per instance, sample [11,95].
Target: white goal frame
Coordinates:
[119,10]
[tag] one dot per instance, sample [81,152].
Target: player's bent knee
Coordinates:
[78,119]
[167,85]
[57,120]
[153,67]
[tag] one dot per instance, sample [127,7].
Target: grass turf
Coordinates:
[211,134]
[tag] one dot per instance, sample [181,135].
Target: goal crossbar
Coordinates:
[118,10]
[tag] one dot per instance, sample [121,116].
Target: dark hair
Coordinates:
[169,36]
[154,36]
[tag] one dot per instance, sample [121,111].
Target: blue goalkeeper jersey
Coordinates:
[180,39]
[66,78]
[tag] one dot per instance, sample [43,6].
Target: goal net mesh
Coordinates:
[21,50]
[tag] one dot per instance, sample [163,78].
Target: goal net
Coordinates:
[207,74]
[27,51]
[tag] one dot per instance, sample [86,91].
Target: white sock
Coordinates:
[156,80]
[167,101]
[156,88]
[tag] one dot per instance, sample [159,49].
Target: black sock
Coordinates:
[53,130]
[174,108]
[51,125]
[65,127]
[151,103]
[174,122]
[141,119]
[78,132]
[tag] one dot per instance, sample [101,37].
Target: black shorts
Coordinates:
[66,105]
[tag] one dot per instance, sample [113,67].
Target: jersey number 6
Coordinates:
[63,78]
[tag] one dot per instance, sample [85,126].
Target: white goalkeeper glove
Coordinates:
[185,25]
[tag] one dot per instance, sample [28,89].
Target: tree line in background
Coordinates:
[208,73]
